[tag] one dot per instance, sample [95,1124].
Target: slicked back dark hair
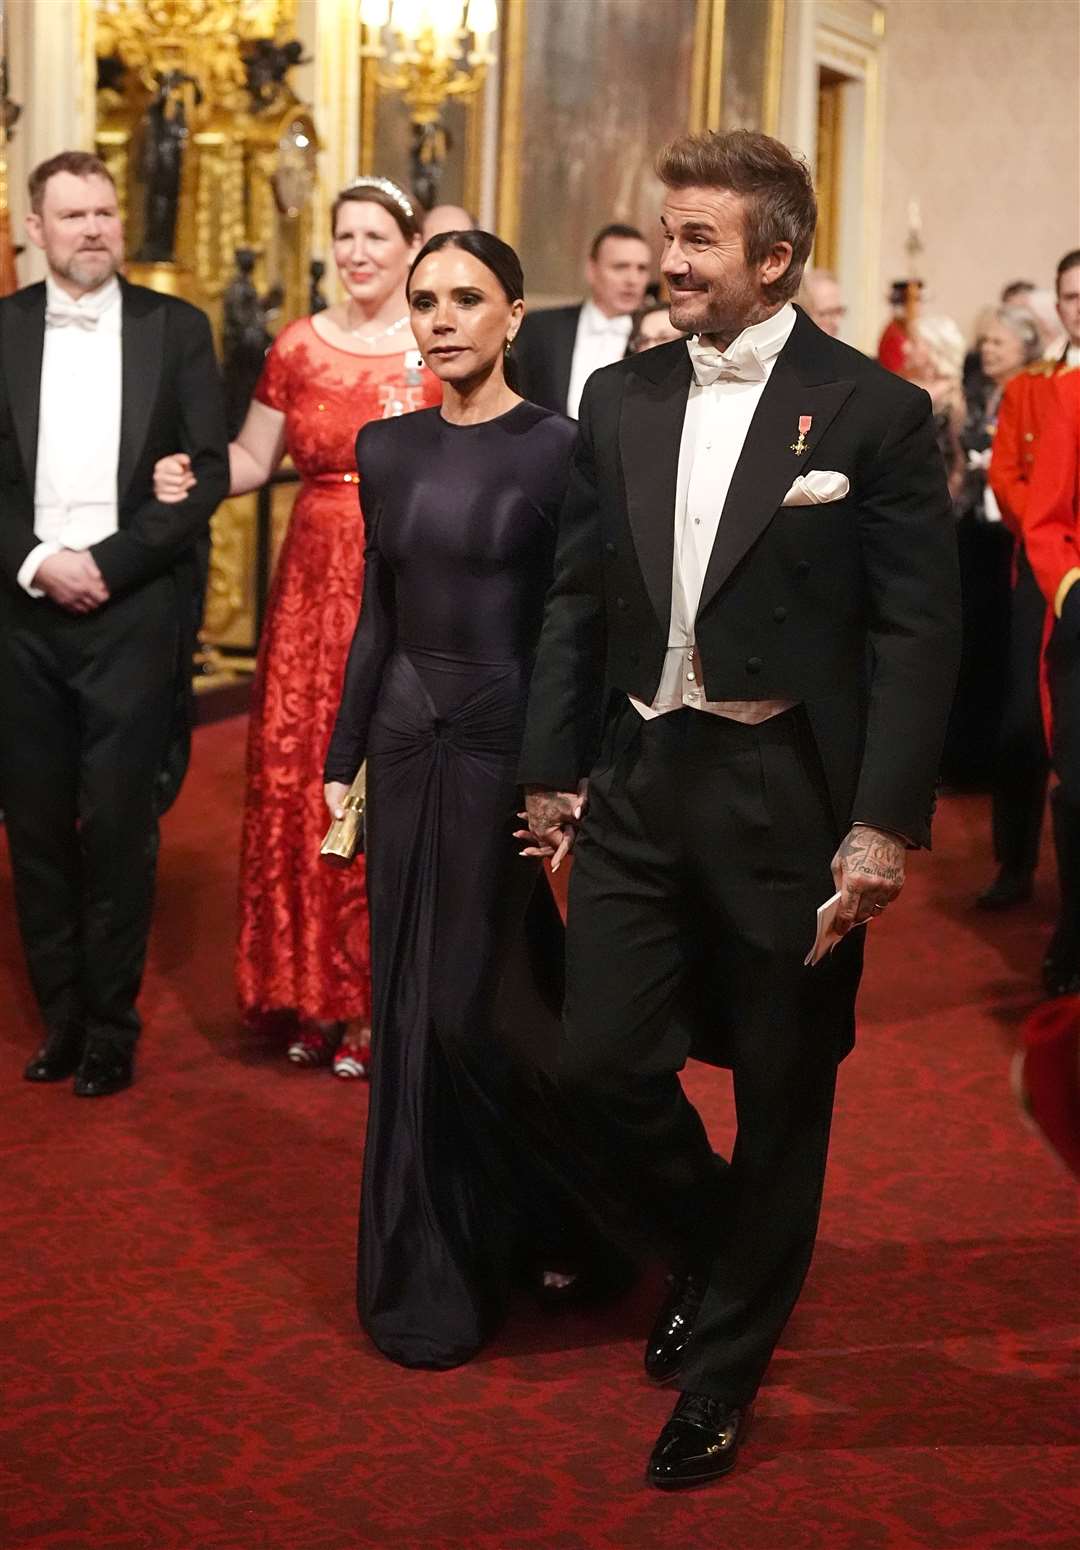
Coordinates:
[1070,261]
[776,185]
[487,249]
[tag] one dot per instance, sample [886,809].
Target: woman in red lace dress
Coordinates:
[302,948]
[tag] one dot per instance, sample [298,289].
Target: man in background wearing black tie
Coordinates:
[98,581]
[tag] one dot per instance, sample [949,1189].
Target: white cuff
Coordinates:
[30,566]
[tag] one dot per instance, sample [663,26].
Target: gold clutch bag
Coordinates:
[345,836]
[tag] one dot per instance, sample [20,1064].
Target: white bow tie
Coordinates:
[62,314]
[711,365]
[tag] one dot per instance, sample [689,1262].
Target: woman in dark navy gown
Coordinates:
[466,944]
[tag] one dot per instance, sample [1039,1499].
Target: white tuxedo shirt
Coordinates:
[75,495]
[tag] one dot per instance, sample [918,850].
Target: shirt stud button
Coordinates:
[754,665]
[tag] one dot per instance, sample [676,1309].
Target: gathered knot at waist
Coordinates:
[450,661]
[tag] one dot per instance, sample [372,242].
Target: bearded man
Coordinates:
[98,588]
[748,653]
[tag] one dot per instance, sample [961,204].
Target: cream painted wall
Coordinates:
[982,127]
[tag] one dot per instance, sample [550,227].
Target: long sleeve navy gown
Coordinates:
[466,943]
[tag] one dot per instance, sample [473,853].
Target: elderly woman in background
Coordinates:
[934,360]
[1011,340]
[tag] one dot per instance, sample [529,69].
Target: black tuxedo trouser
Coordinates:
[1023,767]
[86,706]
[703,858]
[1063,665]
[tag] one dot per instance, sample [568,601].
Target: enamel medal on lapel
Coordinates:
[799,447]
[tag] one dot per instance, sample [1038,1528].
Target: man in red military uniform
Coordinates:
[1019,795]
[1052,539]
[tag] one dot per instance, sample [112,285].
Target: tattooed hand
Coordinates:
[553,818]
[868,870]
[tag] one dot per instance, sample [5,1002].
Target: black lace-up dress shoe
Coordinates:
[57,1058]
[104,1071]
[674,1326]
[699,1443]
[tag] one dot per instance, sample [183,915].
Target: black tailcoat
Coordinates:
[543,356]
[95,708]
[850,607]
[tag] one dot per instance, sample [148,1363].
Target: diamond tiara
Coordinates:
[385,186]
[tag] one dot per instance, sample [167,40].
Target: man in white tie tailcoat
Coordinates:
[558,348]
[99,588]
[737,709]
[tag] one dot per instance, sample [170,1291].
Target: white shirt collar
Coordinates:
[596,322]
[764,340]
[97,303]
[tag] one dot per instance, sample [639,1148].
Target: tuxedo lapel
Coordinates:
[24,346]
[767,465]
[142,350]
[650,434]
[562,356]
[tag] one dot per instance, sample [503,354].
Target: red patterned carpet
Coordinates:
[181,1368]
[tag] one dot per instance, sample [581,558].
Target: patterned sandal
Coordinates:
[315,1043]
[352,1060]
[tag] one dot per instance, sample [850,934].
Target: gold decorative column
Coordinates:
[247,151]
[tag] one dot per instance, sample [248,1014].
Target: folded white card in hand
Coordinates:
[817,488]
[827,937]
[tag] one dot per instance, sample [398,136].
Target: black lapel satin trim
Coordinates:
[24,346]
[142,351]
[563,357]
[650,435]
[767,465]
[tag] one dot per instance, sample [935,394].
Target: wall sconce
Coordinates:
[429,51]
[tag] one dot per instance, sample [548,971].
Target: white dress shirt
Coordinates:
[75,496]
[600,340]
[717,419]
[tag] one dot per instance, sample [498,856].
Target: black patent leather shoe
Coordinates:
[57,1058]
[1008,889]
[699,1443]
[104,1071]
[674,1326]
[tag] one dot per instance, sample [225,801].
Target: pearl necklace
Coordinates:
[383,333]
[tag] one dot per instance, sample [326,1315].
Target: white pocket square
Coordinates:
[816,488]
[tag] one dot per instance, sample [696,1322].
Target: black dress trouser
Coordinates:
[1023,767]
[86,705]
[1063,664]
[704,855]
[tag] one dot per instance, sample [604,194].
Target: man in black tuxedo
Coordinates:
[557,348]
[749,650]
[98,590]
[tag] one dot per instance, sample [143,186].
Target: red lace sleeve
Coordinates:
[272,388]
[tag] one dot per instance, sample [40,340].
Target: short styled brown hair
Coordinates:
[777,187]
[81,164]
